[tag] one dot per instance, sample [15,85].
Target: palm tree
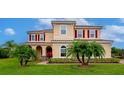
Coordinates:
[94,50]
[74,51]
[9,45]
[24,53]
[85,50]
[98,50]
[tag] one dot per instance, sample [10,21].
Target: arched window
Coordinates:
[63,51]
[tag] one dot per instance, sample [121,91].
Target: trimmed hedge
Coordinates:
[71,60]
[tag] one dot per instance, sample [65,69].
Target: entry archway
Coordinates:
[49,52]
[39,52]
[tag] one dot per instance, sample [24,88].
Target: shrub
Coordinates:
[73,60]
[62,60]
[4,53]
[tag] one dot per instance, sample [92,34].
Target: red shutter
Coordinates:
[35,37]
[44,36]
[29,37]
[83,33]
[75,33]
[88,34]
[96,33]
[38,37]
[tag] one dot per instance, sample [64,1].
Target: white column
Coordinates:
[33,47]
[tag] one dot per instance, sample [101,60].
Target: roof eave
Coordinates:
[83,26]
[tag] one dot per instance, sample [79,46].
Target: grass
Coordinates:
[11,67]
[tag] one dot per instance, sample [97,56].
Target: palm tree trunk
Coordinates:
[83,59]
[21,62]
[88,61]
[79,59]
[26,63]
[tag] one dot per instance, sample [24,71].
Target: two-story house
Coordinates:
[53,42]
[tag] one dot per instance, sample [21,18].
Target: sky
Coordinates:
[16,28]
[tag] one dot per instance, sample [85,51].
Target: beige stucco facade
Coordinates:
[49,37]
[69,35]
[107,48]
[54,39]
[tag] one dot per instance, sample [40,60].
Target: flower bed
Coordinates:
[74,60]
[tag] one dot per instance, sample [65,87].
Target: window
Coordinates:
[32,37]
[92,33]
[29,37]
[63,29]
[41,37]
[79,33]
[63,51]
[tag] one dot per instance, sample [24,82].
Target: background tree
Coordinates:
[10,45]
[4,53]
[121,53]
[117,53]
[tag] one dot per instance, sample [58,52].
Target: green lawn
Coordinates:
[11,67]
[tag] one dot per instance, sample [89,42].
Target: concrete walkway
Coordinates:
[46,63]
[43,63]
[122,61]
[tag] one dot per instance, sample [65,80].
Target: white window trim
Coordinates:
[60,51]
[94,34]
[31,37]
[40,38]
[66,30]
[81,33]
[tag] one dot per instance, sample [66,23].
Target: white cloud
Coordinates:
[9,31]
[45,23]
[79,21]
[113,32]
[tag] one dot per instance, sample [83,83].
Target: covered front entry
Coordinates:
[49,52]
[39,52]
